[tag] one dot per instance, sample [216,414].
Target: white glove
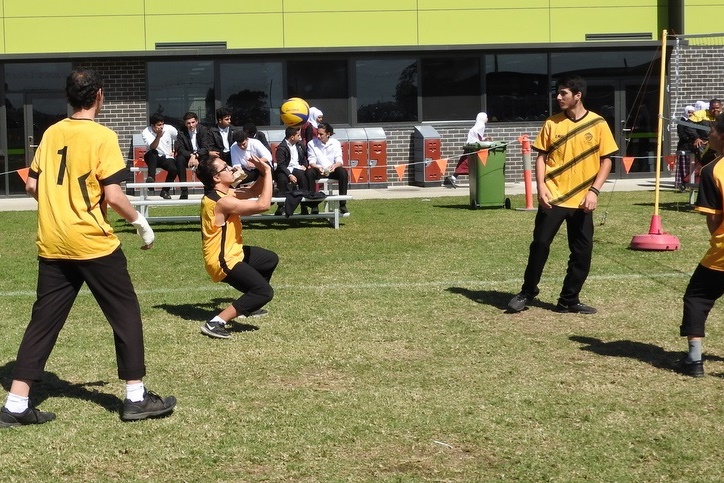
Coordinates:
[144,230]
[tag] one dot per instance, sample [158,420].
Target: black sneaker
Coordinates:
[150,180]
[165,195]
[578,308]
[29,416]
[184,195]
[343,210]
[152,406]
[215,329]
[690,368]
[519,302]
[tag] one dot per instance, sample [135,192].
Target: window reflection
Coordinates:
[450,88]
[517,87]
[386,90]
[177,87]
[322,83]
[253,91]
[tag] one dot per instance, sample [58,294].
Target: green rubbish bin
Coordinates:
[487,181]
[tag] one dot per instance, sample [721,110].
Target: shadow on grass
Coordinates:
[200,313]
[648,353]
[53,386]
[495,298]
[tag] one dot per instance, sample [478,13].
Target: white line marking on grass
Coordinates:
[370,286]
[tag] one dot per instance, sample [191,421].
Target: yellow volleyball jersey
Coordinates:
[222,245]
[574,150]
[710,201]
[73,162]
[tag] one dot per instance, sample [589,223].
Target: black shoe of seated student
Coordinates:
[279,211]
[165,195]
[343,210]
[150,180]
[184,195]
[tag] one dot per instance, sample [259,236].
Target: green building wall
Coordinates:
[84,26]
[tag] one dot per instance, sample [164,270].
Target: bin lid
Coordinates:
[426,131]
[375,133]
[356,134]
[341,134]
[275,135]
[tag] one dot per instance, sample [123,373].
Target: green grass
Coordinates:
[387,356]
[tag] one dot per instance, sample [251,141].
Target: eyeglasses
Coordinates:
[225,168]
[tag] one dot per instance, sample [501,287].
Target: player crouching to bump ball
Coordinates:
[246,268]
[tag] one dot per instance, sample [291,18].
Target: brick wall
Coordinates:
[124,106]
[699,78]
[400,148]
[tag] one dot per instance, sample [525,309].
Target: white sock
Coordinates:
[134,392]
[218,319]
[16,404]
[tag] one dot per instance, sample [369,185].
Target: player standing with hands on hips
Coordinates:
[75,174]
[574,159]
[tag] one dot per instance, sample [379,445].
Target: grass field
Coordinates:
[387,356]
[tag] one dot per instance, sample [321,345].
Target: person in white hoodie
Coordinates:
[475,135]
[309,129]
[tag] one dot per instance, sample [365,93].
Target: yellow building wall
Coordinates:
[86,26]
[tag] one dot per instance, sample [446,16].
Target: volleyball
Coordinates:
[294,112]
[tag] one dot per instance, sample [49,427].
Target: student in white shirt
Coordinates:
[160,140]
[243,149]
[324,155]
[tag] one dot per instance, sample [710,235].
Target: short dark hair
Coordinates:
[156,118]
[81,88]
[206,170]
[250,128]
[290,131]
[719,123]
[240,136]
[714,101]
[222,112]
[327,127]
[575,83]
[190,115]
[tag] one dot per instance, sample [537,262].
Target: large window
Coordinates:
[323,84]
[386,90]
[517,87]
[253,91]
[177,87]
[450,88]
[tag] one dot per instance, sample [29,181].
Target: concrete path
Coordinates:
[22,203]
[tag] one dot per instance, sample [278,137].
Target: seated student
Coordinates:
[190,144]
[246,268]
[221,135]
[291,166]
[243,149]
[324,155]
[251,131]
[160,141]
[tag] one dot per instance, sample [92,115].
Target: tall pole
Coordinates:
[656,239]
